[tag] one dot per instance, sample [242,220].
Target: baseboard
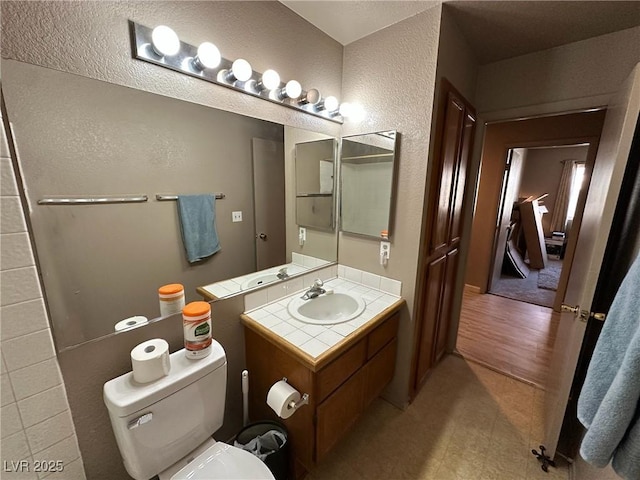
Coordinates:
[472,288]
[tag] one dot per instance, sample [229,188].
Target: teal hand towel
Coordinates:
[197,215]
[609,403]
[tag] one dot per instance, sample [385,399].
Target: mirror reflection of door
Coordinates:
[268,197]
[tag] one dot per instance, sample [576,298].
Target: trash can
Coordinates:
[272,448]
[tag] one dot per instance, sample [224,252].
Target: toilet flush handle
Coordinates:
[141,420]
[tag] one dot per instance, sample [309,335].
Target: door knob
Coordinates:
[569,309]
[262,236]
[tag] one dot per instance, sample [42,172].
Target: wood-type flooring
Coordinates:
[511,337]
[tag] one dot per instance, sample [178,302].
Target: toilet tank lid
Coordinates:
[124,396]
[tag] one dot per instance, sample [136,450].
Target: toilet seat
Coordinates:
[224,462]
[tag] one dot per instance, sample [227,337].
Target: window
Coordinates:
[576,186]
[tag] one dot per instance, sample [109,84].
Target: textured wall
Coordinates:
[569,74]
[36,421]
[92,39]
[392,73]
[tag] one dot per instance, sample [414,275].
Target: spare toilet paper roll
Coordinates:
[280,395]
[150,360]
[130,323]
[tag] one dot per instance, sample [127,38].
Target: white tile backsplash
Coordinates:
[255,299]
[391,286]
[371,280]
[353,274]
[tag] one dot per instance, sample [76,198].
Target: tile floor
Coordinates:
[467,423]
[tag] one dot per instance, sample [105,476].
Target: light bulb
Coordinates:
[312,97]
[292,90]
[346,109]
[270,79]
[208,56]
[331,104]
[241,70]
[165,41]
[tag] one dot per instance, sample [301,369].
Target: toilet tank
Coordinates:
[158,423]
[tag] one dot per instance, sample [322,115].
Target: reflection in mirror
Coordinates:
[103,263]
[367,172]
[315,166]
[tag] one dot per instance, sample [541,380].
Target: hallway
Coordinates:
[511,337]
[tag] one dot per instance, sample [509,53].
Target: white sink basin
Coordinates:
[258,280]
[327,309]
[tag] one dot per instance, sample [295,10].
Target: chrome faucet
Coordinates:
[282,273]
[315,290]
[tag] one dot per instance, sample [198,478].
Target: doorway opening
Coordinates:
[531,194]
[539,201]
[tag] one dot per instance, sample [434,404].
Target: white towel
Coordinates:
[609,402]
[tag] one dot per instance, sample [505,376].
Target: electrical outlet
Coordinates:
[302,236]
[236,216]
[385,249]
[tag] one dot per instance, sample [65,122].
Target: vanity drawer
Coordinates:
[382,335]
[334,374]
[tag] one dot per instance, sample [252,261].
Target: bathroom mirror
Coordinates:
[102,263]
[367,179]
[315,173]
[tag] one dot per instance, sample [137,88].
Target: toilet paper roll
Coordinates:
[280,395]
[130,322]
[150,360]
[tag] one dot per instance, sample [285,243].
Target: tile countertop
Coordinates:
[316,345]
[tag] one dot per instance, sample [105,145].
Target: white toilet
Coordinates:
[164,427]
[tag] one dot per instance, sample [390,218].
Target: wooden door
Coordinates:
[613,153]
[444,320]
[269,203]
[429,318]
[448,168]
[455,128]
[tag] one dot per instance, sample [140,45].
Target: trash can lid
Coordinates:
[221,462]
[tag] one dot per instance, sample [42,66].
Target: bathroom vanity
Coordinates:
[341,381]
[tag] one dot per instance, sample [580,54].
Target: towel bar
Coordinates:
[161,198]
[93,200]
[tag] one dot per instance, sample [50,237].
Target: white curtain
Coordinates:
[559,217]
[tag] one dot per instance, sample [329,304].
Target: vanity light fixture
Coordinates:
[208,56]
[165,41]
[162,47]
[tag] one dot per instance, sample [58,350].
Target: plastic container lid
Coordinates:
[196,309]
[171,289]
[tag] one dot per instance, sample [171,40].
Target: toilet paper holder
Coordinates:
[304,400]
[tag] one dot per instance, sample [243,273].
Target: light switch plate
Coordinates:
[236,216]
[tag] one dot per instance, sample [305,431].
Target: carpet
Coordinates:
[549,277]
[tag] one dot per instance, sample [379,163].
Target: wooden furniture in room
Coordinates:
[531,221]
[341,383]
[444,210]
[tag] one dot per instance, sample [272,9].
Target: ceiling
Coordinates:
[495,30]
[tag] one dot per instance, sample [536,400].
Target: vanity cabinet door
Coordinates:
[379,372]
[337,414]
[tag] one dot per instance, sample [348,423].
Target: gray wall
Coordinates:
[92,39]
[392,72]
[79,136]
